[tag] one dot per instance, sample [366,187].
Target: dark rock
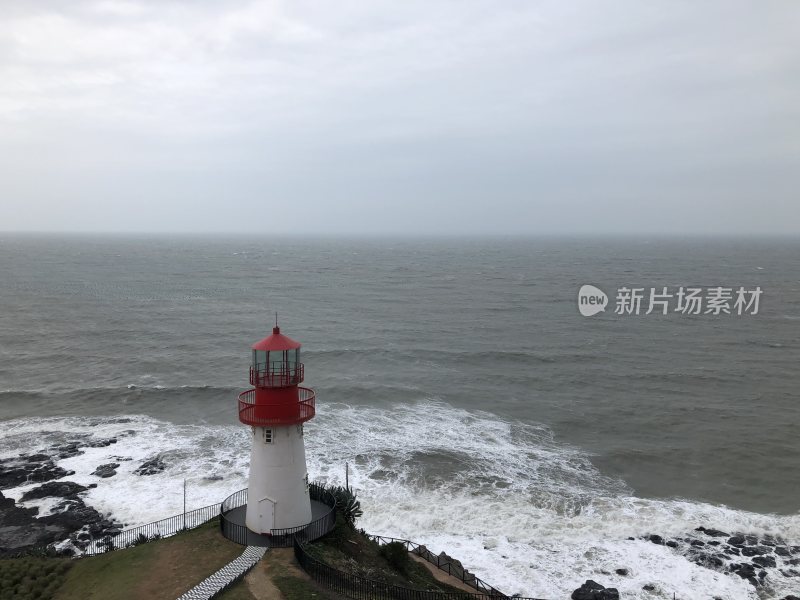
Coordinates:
[20,530]
[587,590]
[68,450]
[756,550]
[764,561]
[39,458]
[736,540]
[672,544]
[743,570]
[794,561]
[456,568]
[710,561]
[12,514]
[782,551]
[795,549]
[57,489]
[714,543]
[762,574]
[591,590]
[791,597]
[751,540]
[715,533]
[648,587]
[771,540]
[107,470]
[790,573]
[731,551]
[698,543]
[656,539]
[151,466]
[37,468]
[623,572]
[79,518]
[631,538]
[101,443]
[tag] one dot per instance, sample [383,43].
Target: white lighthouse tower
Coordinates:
[275,409]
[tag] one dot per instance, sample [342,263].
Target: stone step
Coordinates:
[228,575]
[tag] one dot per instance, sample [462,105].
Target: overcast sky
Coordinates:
[402,117]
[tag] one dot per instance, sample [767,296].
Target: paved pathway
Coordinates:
[230,573]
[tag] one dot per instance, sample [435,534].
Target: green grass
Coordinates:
[166,568]
[294,588]
[32,578]
[162,569]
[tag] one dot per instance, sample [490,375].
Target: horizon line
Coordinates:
[408,235]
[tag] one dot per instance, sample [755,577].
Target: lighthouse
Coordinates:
[275,409]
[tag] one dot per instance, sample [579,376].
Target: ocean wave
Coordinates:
[525,511]
[437,354]
[88,392]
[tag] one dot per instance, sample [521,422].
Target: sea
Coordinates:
[476,409]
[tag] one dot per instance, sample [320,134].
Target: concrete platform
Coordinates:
[237,517]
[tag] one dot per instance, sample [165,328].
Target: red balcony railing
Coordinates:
[265,415]
[276,374]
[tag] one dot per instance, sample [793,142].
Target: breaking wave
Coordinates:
[522,510]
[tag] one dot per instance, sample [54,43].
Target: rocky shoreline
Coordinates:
[758,559]
[71,525]
[751,557]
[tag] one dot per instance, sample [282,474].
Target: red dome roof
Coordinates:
[276,342]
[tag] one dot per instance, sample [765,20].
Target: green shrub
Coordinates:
[347,504]
[140,539]
[396,555]
[29,578]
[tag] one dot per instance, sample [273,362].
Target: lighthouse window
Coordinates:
[268,436]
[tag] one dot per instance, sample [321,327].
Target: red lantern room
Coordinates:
[276,372]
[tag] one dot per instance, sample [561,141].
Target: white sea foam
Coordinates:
[46,506]
[199,454]
[526,513]
[523,511]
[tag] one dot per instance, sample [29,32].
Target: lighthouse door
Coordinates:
[266,514]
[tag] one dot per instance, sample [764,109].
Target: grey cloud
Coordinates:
[474,116]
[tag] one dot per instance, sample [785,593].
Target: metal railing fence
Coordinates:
[153,531]
[285,413]
[280,538]
[445,564]
[277,374]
